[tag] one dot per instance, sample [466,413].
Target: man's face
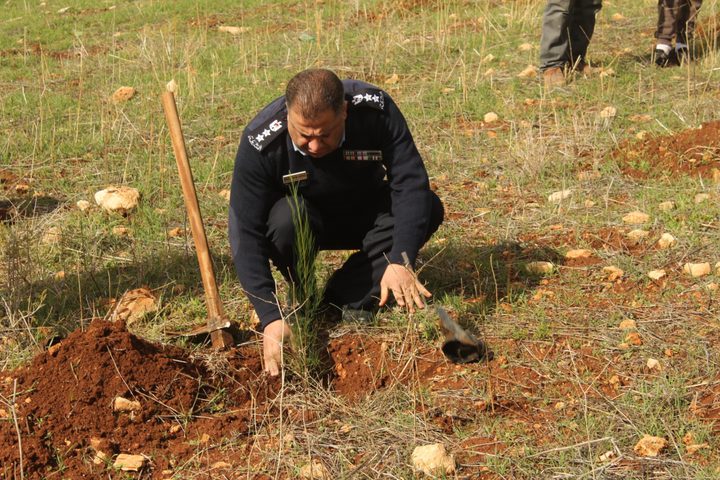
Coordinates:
[319,136]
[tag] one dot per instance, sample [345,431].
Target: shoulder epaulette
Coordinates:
[262,136]
[368,97]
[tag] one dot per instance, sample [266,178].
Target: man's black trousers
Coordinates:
[367,228]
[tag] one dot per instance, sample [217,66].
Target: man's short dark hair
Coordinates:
[313,91]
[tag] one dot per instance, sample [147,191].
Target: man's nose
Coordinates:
[314,145]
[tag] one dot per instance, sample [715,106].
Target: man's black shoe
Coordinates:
[661,58]
[351,315]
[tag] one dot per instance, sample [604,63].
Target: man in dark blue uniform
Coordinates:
[361,182]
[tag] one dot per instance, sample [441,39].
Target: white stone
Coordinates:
[656,274]
[559,196]
[666,241]
[433,460]
[697,269]
[636,218]
[490,117]
[118,199]
[666,206]
[540,268]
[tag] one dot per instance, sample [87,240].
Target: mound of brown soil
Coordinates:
[64,404]
[692,152]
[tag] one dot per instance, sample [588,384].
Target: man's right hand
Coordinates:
[274,335]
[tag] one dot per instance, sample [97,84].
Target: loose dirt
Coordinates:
[63,400]
[690,152]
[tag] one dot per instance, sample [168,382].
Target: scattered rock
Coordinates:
[225,193]
[529,72]
[656,274]
[314,470]
[589,203]
[122,404]
[618,17]
[653,364]
[118,199]
[219,465]
[525,47]
[560,406]
[697,269]
[134,305]
[122,94]
[636,218]
[608,112]
[204,438]
[232,30]
[433,460]
[120,231]
[129,463]
[540,268]
[578,253]
[633,338]
[628,324]
[692,449]
[175,428]
[712,287]
[701,197]
[666,206]
[640,118]
[613,273]
[171,86]
[559,196]
[100,458]
[650,446]
[666,241]
[82,205]
[175,232]
[607,72]
[607,456]
[490,117]
[637,236]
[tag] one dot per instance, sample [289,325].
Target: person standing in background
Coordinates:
[676,21]
[568,26]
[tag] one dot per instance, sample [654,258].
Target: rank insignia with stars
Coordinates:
[370,97]
[263,135]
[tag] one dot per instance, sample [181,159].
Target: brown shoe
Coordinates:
[554,77]
[584,68]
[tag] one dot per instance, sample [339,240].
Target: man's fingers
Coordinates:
[421,288]
[384,294]
[271,367]
[399,297]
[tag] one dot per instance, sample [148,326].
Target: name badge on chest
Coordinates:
[294,177]
[363,155]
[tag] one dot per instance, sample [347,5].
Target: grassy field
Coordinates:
[570,385]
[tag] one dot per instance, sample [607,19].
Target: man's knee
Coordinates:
[437,215]
[281,228]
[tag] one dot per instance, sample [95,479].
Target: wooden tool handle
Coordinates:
[216,315]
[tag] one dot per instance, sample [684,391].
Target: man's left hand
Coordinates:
[404,285]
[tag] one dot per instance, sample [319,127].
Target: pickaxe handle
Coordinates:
[216,316]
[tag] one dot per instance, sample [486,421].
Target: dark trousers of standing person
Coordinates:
[568,26]
[366,228]
[676,20]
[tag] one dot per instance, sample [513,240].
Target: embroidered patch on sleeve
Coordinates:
[262,136]
[370,97]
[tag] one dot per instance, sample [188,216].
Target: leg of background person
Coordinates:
[582,27]
[666,22]
[357,283]
[686,24]
[281,233]
[554,48]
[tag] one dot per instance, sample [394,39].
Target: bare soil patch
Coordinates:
[63,401]
[690,152]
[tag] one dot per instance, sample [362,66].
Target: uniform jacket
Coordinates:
[378,153]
